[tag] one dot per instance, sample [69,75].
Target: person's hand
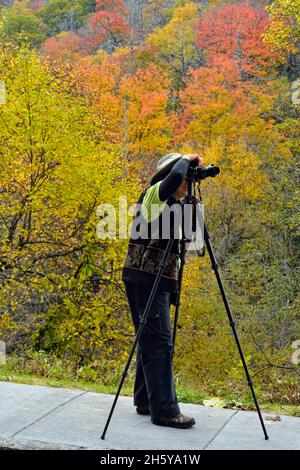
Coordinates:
[194,156]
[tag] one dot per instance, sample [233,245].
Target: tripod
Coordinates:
[190,199]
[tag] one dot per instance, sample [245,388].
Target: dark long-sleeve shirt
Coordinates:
[174,179]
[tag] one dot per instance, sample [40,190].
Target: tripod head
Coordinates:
[196,174]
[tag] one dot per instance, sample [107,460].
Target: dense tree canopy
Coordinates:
[96,92]
[19,23]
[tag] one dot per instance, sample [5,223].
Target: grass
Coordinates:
[184,395]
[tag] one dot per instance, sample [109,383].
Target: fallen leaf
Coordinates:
[273,418]
[215,403]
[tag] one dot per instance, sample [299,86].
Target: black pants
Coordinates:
[154,382]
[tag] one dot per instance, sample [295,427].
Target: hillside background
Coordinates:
[93,94]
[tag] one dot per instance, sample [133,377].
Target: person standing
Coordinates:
[154,389]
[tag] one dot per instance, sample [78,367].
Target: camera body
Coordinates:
[196,173]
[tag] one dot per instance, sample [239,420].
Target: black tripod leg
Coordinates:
[180,277]
[232,324]
[139,332]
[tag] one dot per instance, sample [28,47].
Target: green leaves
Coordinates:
[53,177]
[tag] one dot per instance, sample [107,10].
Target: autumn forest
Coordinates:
[92,94]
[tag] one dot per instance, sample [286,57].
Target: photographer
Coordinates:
[154,390]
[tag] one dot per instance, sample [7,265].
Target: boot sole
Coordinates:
[187,425]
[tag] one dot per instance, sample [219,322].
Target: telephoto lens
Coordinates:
[196,173]
[209,171]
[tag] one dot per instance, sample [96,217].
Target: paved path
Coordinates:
[35,417]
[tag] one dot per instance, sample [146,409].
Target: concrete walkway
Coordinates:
[35,417]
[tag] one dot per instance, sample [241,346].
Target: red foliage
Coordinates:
[69,45]
[112,19]
[234,31]
[36,4]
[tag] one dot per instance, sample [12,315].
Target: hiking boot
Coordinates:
[178,421]
[143,410]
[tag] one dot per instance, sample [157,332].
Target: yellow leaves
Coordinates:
[7,323]
[54,174]
[124,357]
[179,35]
[99,57]
[240,170]
[283,34]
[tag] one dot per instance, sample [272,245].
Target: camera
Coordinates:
[196,173]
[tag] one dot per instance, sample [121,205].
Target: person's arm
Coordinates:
[173,180]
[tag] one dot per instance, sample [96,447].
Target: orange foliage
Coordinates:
[216,103]
[146,96]
[68,45]
[235,31]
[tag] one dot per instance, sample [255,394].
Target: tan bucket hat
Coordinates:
[164,165]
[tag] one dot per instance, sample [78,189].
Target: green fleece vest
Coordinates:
[144,254]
